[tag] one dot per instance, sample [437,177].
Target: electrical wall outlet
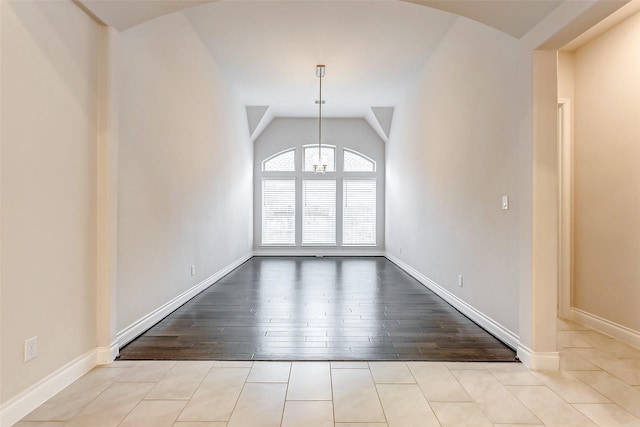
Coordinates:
[193,270]
[30,349]
[460,282]
[505,202]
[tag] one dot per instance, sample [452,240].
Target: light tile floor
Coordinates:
[598,384]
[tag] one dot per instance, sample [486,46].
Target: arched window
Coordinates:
[328,155]
[278,200]
[357,162]
[299,208]
[284,161]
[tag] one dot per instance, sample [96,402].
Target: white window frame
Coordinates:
[339,176]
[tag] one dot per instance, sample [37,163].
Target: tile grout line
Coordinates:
[82,408]
[422,392]
[196,390]
[333,406]
[581,382]
[375,386]
[147,393]
[140,401]
[239,394]
[121,379]
[286,392]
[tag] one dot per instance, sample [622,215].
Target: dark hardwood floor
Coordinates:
[317,309]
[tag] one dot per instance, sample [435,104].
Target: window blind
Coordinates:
[278,212]
[359,212]
[319,212]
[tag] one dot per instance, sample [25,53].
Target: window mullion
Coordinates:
[335,208]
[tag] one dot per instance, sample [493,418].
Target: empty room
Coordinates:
[319,213]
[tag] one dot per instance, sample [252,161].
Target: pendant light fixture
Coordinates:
[320,161]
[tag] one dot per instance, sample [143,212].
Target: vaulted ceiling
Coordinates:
[514,17]
[373,49]
[269,50]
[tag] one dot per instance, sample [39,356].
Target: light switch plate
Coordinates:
[505,202]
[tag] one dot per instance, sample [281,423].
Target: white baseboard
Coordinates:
[493,327]
[138,327]
[539,360]
[106,355]
[623,333]
[21,405]
[18,407]
[319,252]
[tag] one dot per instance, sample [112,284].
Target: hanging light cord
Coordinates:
[320,125]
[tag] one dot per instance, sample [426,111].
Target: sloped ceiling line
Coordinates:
[373,50]
[255,114]
[384,116]
[515,18]
[268,50]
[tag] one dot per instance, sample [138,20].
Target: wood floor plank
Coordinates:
[303,308]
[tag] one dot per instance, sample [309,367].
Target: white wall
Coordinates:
[284,133]
[453,153]
[49,127]
[185,160]
[607,176]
